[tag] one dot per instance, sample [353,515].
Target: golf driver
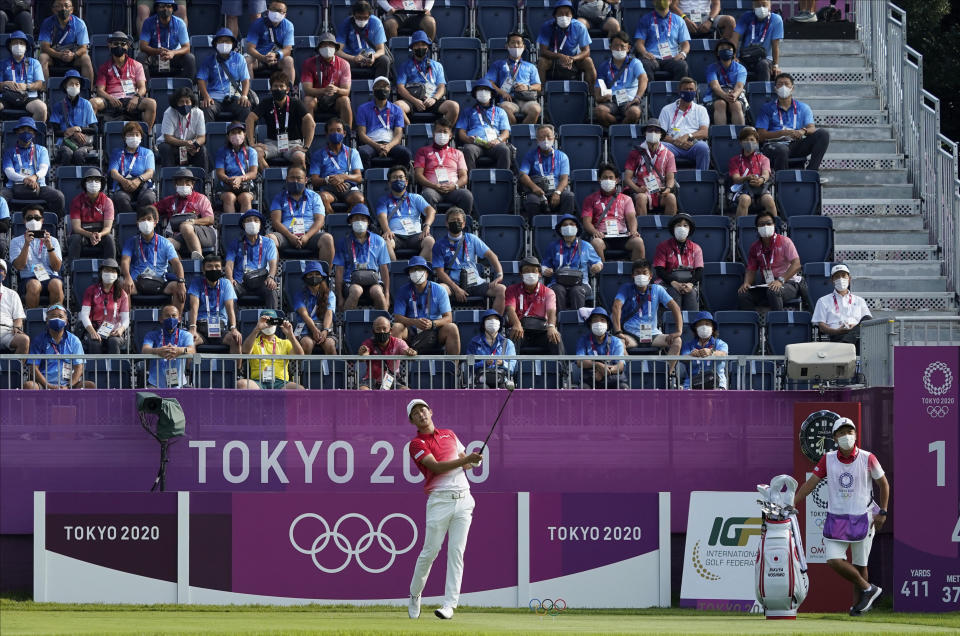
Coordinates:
[510,387]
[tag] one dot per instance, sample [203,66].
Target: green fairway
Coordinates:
[37,618]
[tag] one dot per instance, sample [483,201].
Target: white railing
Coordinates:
[879,337]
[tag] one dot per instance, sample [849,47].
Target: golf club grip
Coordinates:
[492,428]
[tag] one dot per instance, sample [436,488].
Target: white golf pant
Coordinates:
[448,513]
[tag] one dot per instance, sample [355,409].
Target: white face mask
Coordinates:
[704,331]
[607,185]
[531,278]
[441,139]
[269,331]
[109,278]
[784,92]
[653,137]
[361,23]
[619,55]
[224,47]
[846,442]
[546,145]
[359,227]
[680,233]
[132,141]
[327,52]
[515,53]
[568,230]
[251,227]
[184,190]
[93,187]
[145,227]
[841,283]
[563,21]
[483,96]
[765,231]
[599,328]
[761,13]
[73,90]
[274,17]
[491,326]
[641,280]
[418,277]
[236,140]
[18,50]
[34,226]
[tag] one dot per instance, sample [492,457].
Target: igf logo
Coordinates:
[734,531]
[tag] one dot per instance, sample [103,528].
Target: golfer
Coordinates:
[440,457]
[849,472]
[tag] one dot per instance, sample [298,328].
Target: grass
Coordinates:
[27,617]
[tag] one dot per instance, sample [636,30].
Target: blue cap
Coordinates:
[567,217]
[490,312]
[703,315]
[28,123]
[316,266]
[420,36]
[562,3]
[74,73]
[249,213]
[20,35]
[173,2]
[361,209]
[599,311]
[225,33]
[271,313]
[481,83]
[418,261]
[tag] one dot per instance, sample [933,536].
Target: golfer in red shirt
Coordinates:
[441,458]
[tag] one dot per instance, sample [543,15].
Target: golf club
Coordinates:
[510,387]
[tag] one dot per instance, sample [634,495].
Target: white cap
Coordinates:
[415,403]
[843,421]
[3,264]
[381,77]
[839,268]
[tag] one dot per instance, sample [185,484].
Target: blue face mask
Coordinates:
[398,185]
[169,324]
[335,138]
[57,324]
[295,187]
[725,54]
[688,96]
[25,137]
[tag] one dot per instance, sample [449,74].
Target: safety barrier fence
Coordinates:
[879,337]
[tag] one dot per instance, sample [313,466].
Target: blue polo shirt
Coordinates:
[568,41]
[427,72]
[69,345]
[66,115]
[350,252]
[611,347]
[132,164]
[431,304]
[217,73]
[26,161]
[245,255]
[155,254]
[234,163]
[355,40]
[157,369]
[309,302]
[74,33]
[705,365]
[763,32]
[324,162]
[502,346]
[265,37]
[26,71]
[38,253]
[580,255]
[374,119]
[475,120]
[537,163]
[653,29]
[411,206]
[522,72]
[4,209]
[627,77]
[737,73]
[453,256]
[772,118]
[641,309]
[308,209]
[213,300]
[171,37]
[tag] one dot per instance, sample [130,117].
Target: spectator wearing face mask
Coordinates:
[216,317]
[531,310]
[456,265]
[297,216]
[382,374]
[565,47]
[56,339]
[609,218]
[37,258]
[364,41]
[121,85]
[13,339]
[290,128]
[147,258]
[64,41]
[263,340]
[650,173]
[621,85]
[25,165]
[405,217]
[726,79]
[168,343]
[404,17]
[422,314]
[224,80]
[361,262]
[187,216]
[838,314]
[380,125]
[184,131]
[441,170]
[774,259]
[786,129]
[325,81]
[484,129]
[750,177]
[22,79]
[74,123]
[596,370]
[236,166]
[105,312]
[251,263]
[759,34]
[131,169]
[517,82]
[686,123]
[663,41]
[705,373]
[570,262]
[545,174]
[270,43]
[633,315]
[703,18]
[91,218]
[179,7]
[422,83]
[679,263]
[492,374]
[336,170]
[165,43]
[315,306]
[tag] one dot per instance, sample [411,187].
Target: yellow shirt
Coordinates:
[272,347]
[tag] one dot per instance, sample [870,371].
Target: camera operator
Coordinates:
[263,340]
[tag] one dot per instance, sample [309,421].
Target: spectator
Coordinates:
[146,260]
[25,164]
[548,187]
[679,263]
[224,80]
[297,216]
[216,319]
[565,47]
[263,340]
[236,166]
[598,14]
[316,305]
[609,218]
[422,314]
[169,342]
[289,141]
[456,263]
[143,12]
[705,374]
[484,129]
[531,309]
[64,41]
[105,312]
[686,123]
[121,85]
[91,218]
[252,262]
[270,43]
[20,12]
[364,41]
[838,315]
[380,127]
[336,170]
[57,373]
[726,79]
[441,170]
[74,124]
[593,372]
[325,81]
[405,217]
[663,42]
[13,338]
[750,176]
[491,374]
[775,257]
[570,262]
[404,17]
[132,168]
[233,9]
[184,131]
[22,79]
[621,85]
[187,216]
[634,314]
[758,35]
[382,374]
[165,43]
[703,18]
[787,130]
[422,84]
[361,264]
[37,258]
[517,82]
[650,173]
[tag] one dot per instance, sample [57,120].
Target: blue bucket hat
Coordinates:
[567,217]
[418,261]
[316,266]
[360,209]
[481,83]
[27,122]
[420,36]
[488,313]
[75,73]
[225,33]
[562,3]
[20,35]
[599,311]
[249,213]
[703,315]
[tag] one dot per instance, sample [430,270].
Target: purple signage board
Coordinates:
[925,495]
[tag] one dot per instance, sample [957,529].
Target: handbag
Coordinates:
[533,323]
[752,55]
[525,96]
[425,341]
[417,91]
[177,219]
[14,99]
[682,275]
[365,277]
[254,279]
[150,283]
[568,276]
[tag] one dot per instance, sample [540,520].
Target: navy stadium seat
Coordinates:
[623,139]
[813,237]
[205,17]
[524,139]
[105,16]
[56,94]
[511,272]
[160,88]
[786,327]
[583,183]
[142,321]
[293,283]
[566,102]
[544,233]
[653,230]
[699,58]
[699,191]
[817,278]
[571,327]
[504,233]
[324,373]
[358,326]
[69,182]
[659,94]
[754,375]
[339,10]
[452,16]
[35,322]
[307,15]
[230,230]
[461,58]
[612,276]
[493,191]
[541,374]
[418,136]
[740,330]
[724,144]
[11,374]
[50,221]
[759,94]
[536,12]
[304,47]
[202,46]
[126,226]
[113,137]
[398,274]
[215,373]
[361,92]
[631,12]
[496,18]
[83,273]
[108,374]
[798,192]
[337,225]
[647,374]
[400,49]
[431,374]
[274,180]
[600,52]
[468,321]
[713,236]
[459,91]
[377,186]
[583,144]
[497,50]
[669,326]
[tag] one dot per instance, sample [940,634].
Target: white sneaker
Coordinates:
[443,612]
[413,607]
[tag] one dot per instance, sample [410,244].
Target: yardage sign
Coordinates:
[926,490]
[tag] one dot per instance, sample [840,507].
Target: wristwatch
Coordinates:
[181,280]
[882,512]
[781,279]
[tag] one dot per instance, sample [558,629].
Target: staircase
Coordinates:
[878,230]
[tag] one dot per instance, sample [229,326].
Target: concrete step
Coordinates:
[908,282]
[831,191]
[845,74]
[864,177]
[890,252]
[818,60]
[893,268]
[858,133]
[823,47]
[855,207]
[862,147]
[826,89]
[877,223]
[910,301]
[882,237]
[842,102]
[850,118]
[852,161]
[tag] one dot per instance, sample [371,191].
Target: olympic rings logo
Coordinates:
[846,480]
[937,389]
[344,544]
[547,607]
[938,411]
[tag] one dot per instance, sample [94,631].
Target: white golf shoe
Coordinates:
[443,612]
[413,607]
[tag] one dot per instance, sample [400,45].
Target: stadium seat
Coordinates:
[400,49]
[747,234]
[493,191]
[817,278]
[511,272]
[160,88]
[337,225]
[497,50]
[600,51]
[230,230]
[109,374]
[496,18]
[669,326]
[753,375]
[307,15]
[468,321]
[247,320]
[11,374]
[461,58]
[699,192]
[631,12]
[339,10]
[541,374]
[786,327]
[713,236]
[215,373]
[83,273]
[70,183]
[740,330]
[459,91]
[357,327]
[398,275]
[205,17]
[56,94]
[653,230]
[142,321]
[647,374]
[113,137]
[376,185]
[583,183]
[452,16]
[304,47]
[571,327]
[202,46]
[659,94]
[35,322]
[10,137]
[292,278]
[813,237]
[798,192]
[566,102]
[623,139]
[431,374]
[699,58]
[274,180]
[536,12]
[361,92]
[759,94]
[524,139]
[544,233]
[324,373]
[612,276]
[167,186]
[724,144]
[105,16]
[504,233]
[583,144]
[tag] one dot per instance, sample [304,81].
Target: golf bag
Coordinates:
[781,568]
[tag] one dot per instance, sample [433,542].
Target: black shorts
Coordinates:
[408,22]
[411,242]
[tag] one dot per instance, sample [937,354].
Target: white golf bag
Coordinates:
[781,569]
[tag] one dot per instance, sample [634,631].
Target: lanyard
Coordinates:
[314,303]
[726,78]
[440,154]
[247,247]
[795,115]
[156,248]
[640,306]
[419,307]
[386,109]
[485,119]
[286,121]
[184,126]
[353,247]
[66,30]
[183,208]
[491,349]
[101,292]
[116,71]
[133,162]
[656,26]
[763,252]
[754,166]
[553,162]
[39,249]
[301,208]
[175,340]
[400,207]
[556,37]
[333,157]
[33,157]
[616,75]
[516,68]
[169,28]
[463,252]
[679,252]
[837,305]
[236,157]
[574,254]
[653,158]
[537,297]
[56,349]
[429,74]
[68,113]
[206,299]
[763,35]
[605,345]
[23,70]
[365,38]
[677,112]
[711,344]
[264,349]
